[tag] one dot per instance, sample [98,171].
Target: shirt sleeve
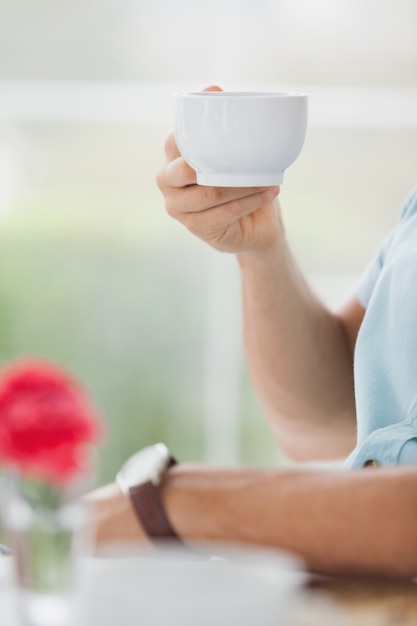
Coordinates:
[410,207]
[369,278]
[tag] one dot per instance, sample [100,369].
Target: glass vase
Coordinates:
[47,530]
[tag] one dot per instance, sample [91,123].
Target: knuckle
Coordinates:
[268,194]
[213,195]
[235,207]
[186,172]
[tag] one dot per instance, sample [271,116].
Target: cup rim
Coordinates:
[241,94]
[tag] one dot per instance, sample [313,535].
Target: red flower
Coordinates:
[45,421]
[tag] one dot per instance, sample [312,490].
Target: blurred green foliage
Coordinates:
[128,326]
[94,275]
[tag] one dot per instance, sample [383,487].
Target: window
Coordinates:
[92,271]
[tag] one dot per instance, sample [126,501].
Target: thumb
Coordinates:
[213,88]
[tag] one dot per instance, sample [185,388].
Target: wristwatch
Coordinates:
[139,480]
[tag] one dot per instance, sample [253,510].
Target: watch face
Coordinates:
[146,465]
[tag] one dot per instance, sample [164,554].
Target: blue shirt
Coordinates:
[385,361]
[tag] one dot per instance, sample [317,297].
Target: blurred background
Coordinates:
[96,276]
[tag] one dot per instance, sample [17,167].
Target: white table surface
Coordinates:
[254,589]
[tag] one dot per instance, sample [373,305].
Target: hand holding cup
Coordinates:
[233,218]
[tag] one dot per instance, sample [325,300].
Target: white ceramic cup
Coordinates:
[240,139]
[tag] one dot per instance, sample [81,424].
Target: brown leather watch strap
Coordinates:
[149,508]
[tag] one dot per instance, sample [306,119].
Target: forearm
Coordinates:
[340,523]
[298,355]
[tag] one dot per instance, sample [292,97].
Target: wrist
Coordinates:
[190,513]
[266,261]
[268,250]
